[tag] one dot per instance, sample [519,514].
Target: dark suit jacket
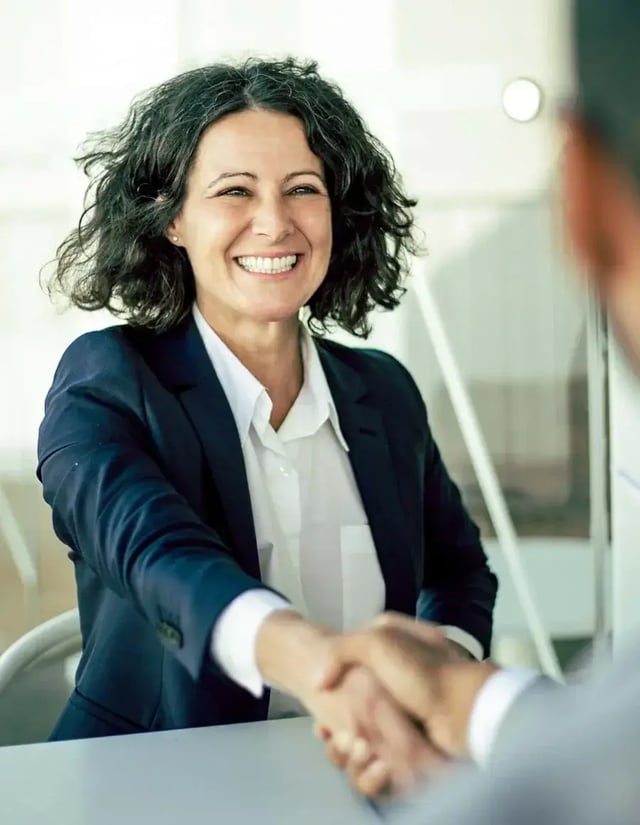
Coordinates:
[142,466]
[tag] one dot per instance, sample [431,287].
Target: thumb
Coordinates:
[347,651]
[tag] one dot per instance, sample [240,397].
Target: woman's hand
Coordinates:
[292,653]
[427,677]
[368,734]
[370,737]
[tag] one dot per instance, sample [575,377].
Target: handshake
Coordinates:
[391,701]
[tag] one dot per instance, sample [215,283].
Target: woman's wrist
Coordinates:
[291,652]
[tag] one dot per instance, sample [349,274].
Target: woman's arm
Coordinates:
[113,505]
[459,589]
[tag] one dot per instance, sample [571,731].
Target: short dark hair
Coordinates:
[606,37]
[118,256]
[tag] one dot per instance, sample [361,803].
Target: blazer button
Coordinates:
[169,634]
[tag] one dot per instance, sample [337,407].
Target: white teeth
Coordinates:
[268,265]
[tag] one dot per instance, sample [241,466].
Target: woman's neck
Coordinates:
[271,352]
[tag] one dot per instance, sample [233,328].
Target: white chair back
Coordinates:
[36,678]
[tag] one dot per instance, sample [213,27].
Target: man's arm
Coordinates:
[571,757]
[464,706]
[562,755]
[503,708]
[413,660]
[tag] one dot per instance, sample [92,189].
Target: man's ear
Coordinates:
[585,195]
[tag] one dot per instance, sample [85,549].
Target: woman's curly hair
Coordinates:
[118,257]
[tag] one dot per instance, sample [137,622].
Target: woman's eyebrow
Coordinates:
[225,175]
[304,172]
[253,176]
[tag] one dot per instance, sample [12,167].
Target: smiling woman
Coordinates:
[234,490]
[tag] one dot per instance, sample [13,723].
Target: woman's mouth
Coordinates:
[268,266]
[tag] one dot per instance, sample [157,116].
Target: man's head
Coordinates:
[602,171]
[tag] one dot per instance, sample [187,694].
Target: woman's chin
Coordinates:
[274,314]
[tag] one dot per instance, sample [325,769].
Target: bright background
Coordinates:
[428,76]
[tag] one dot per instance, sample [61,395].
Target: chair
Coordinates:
[36,678]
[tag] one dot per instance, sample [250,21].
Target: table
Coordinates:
[268,773]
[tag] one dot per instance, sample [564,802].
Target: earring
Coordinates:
[174,238]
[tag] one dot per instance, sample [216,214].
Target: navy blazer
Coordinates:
[141,463]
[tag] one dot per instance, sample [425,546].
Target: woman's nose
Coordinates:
[272,219]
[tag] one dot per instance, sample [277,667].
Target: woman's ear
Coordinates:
[173,233]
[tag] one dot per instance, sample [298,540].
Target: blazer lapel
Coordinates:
[363,428]
[183,364]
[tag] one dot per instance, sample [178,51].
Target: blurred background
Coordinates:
[464,93]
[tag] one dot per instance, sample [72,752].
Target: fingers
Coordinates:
[373,776]
[371,780]
[337,756]
[344,748]
[321,732]
[427,632]
[348,650]
[404,748]
[392,736]
[368,774]
[394,658]
[369,717]
[363,647]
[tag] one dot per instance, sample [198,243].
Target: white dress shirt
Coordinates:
[313,537]
[490,709]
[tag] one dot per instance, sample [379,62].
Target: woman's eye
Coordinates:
[304,190]
[242,192]
[237,191]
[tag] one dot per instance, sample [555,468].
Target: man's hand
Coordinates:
[370,737]
[421,671]
[368,734]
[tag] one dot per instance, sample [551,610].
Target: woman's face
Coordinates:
[256,220]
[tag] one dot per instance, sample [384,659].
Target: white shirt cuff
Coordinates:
[233,641]
[493,702]
[465,640]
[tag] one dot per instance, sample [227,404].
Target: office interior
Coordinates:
[526,394]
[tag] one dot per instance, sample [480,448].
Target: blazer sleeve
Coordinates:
[458,586]
[114,507]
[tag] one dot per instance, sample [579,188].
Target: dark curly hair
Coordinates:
[118,256]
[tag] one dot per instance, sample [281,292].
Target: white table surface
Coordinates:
[267,773]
